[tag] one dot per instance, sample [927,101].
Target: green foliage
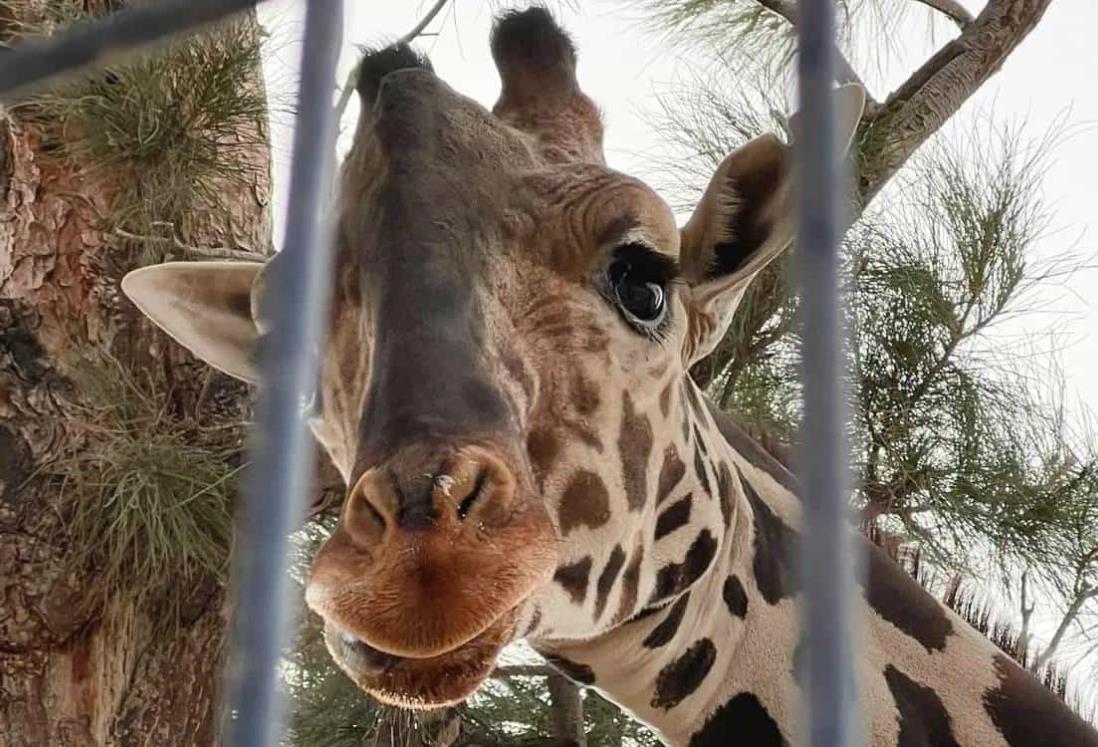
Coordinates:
[147,503]
[957,445]
[951,442]
[756,28]
[516,711]
[162,133]
[759,33]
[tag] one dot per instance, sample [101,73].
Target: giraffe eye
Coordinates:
[639,292]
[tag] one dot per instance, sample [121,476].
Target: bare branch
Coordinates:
[846,73]
[214,252]
[1027,615]
[934,92]
[523,670]
[1068,618]
[352,77]
[956,12]
[419,27]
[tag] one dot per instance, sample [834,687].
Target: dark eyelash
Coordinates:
[652,264]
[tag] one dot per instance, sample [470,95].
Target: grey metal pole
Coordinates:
[827,551]
[282,453]
[97,43]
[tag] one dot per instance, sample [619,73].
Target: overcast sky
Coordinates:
[1051,77]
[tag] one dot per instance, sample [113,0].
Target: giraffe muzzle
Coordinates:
[435,553]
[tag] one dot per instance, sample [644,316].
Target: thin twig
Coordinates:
[845,73]
[956,12]
[352,77]
[523,670]
[419,27]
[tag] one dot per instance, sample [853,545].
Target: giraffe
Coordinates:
[504,388]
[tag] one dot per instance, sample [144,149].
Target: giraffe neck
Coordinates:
[673,665]
[717,665]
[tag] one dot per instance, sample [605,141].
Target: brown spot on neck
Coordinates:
[735,596]
[585,395]
[635,447]
[665,399]
[630,582]
[1027,713]
[724,488]
[585,502]
[923,717]
[607,578]
[675,578]
[573,579]
[676,516]
[773,562]
[662,634]
[899,599]
[745,716]
[683,676]
[671,473]
[543,446]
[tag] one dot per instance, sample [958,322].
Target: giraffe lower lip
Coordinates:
[367,658]
[428,682]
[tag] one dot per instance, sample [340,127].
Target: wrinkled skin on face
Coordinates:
[474,313]
[503,385]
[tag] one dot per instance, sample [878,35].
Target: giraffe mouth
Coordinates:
[421,683]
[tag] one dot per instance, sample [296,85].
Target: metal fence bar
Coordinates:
[98,42]
[827,550]
[282,453]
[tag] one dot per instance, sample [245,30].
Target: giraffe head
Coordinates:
[504,384]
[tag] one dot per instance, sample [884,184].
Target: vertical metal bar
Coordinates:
[282,454]
[828,561]
[97,43]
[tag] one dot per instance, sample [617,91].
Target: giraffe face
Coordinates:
[506,325]
[503,386]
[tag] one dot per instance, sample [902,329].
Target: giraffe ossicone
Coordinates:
[504,388]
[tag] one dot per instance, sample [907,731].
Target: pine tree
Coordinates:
[118,451]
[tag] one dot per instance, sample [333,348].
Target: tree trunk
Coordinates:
[566,712]
[79,663]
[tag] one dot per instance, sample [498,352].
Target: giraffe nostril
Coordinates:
[371,509]
[474,495]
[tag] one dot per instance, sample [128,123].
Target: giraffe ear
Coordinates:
[744,220]
[207,307]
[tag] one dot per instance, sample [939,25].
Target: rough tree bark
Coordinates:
[74,672]
[894,130]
